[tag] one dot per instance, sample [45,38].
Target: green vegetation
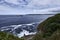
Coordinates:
[49,29]
[8,36]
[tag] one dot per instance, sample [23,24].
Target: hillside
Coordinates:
[49,29]
[8,36]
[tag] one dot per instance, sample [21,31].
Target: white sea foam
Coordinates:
[24,32]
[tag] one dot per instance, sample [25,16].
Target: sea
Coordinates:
[21,25]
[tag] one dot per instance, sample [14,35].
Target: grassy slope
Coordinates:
[8,36]
[49,29]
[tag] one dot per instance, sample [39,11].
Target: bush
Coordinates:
[8,36]
[38,36]
[55,35]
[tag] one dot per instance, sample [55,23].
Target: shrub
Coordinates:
[8,36]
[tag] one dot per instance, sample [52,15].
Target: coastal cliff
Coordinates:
[49,29]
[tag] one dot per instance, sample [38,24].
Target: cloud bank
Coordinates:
[17,7]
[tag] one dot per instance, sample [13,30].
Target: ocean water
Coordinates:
[21,25]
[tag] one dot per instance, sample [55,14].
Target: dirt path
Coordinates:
[29,37]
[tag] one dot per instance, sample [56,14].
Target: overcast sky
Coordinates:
[17,7]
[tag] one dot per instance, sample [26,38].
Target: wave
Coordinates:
[21,30]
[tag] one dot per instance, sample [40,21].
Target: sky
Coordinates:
[18,7]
